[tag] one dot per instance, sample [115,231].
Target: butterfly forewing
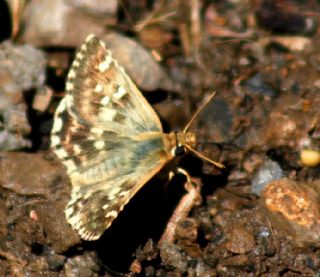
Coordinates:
[103,95]
[108,137]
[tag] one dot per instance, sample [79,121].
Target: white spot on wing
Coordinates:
[55,140]
[61,153]
[71,74]
[57,125]
[115,190]
[90,37]
[120,92]
[75,63]
[76,148]
[105,101]
[102,44]
[96,131]
[107,114]
[98,88]
[68,100]
[99,144]
[122,194]
[112,214]
[84,47]
[68,212]
[69,86]
[79,56]
[70,165]
[104,65]
[62,106]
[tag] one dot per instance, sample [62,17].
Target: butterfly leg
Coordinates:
[188,201]
[170,175]
[185,173]
[181,171]
[191,184]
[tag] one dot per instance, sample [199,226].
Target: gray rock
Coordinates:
[139,64]
[95,7]
[21,68]
[269,171]
[55,23]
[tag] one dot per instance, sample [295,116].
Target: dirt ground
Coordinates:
[258,216]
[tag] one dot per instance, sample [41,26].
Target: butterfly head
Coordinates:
[181,142]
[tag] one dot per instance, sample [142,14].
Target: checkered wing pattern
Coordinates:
[108,137]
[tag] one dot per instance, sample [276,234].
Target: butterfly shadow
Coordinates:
[144,217]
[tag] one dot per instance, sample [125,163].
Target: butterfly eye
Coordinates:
[180,150]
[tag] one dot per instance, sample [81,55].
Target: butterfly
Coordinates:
[109,139]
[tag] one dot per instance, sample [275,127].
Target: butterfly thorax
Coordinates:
[176,143]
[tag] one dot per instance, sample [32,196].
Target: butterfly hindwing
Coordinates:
[103,187]
[108,137]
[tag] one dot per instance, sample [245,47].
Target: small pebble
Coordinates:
[95,7]
[310,158]
[239,240]
[257,85]
[294,208]
[269,171]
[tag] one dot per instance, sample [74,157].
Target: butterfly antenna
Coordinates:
[195,115]
[219,165]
